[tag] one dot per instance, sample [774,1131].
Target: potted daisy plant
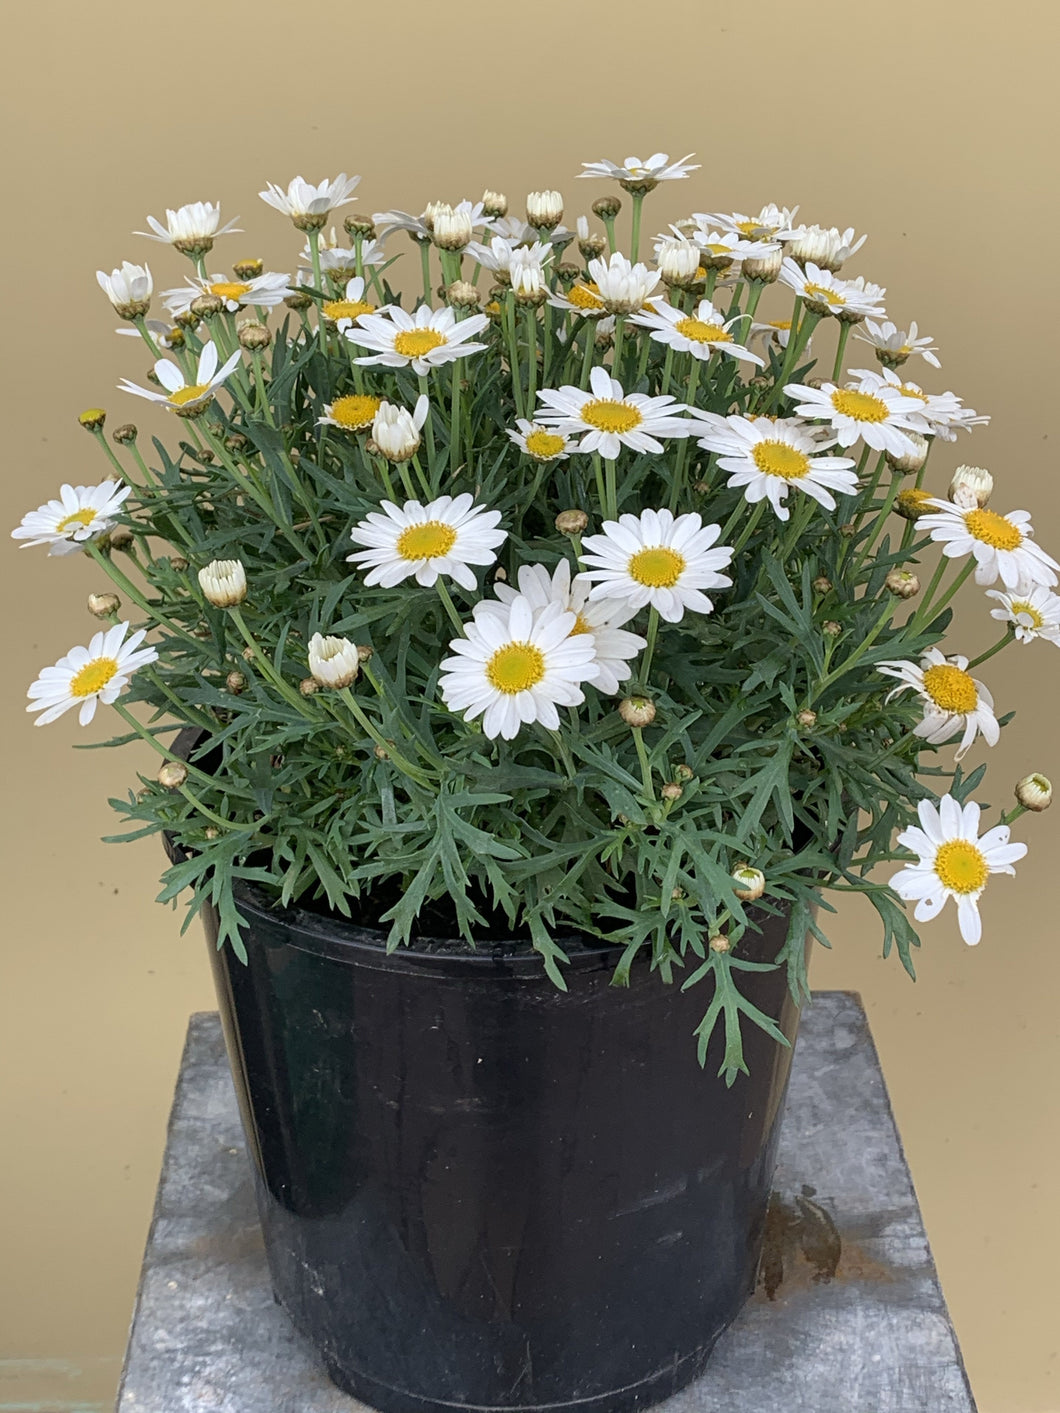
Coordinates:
[533,625]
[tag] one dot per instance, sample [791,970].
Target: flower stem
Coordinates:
[128,588]
[645,764]
[649,651]
[841,348]
[1001,643]
[450,607]
[634,241]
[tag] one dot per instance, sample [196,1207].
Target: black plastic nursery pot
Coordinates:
[480,1192]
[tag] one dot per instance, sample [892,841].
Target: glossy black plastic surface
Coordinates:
[479,1192]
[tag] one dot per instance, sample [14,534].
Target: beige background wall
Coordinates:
[931,124]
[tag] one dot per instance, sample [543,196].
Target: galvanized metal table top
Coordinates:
[848,1318]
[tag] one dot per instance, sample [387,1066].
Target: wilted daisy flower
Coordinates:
[87,675]
[772,222]
[702,333]
[623,287]
[184,398]
[828,247]
[1031,611]
[515,667]
[658,559]
[765,459]
[1002,544]
[954,701]
[266,291]
[350,308]
[443,537]
[191,229]
[426,339]
[80,514]
[602,619]
[128,289]
[396,431]
[893,345]
[636,175]
[538,441]
[879,416]
[610,418]
[352,413]
[307,205]
[825,293]
[954,862]
[939,414]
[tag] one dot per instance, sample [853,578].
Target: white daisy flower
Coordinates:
[772,222]
[878,415]
[336,259]
[80,514]
[677,259]
[765,459]
[954,701]
[954,862]
[612,419]
[720,248]
[348,310]
[776,330]
[307,205]
[184,398]
[582,298]
[702,333]
[1031,611]
[426,339]
[1002,544]
[396,430]
[425,541]
[825,293]
[939,414]
[352,413]
[265,291]
[528,278]
[191,229]
[128,289]
[538,441]
[497,256]
[602,619]
[422,227]
[658,559]
[828,247]
[516,668]
[87,675]
[894,345]
[165,335]
[636,175]
[623,287]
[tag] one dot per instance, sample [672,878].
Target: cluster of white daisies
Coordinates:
[530,649]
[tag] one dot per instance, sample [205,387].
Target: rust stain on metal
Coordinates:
[803,1247]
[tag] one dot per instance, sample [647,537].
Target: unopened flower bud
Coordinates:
[254,336]
[298,300]
[902,584]
[494,203]
[500,574]
[396,431]
[248,654]
[452,229]
[750,883]
[806,718]
[93,419]
[125,433]
[120,538]
[637,711]
[224,582]
[172,774]
[528,283]
[333,661]
[684,772]
[178,563]
[103,605]
[822,584]
[248,269]
[913,503]
[359,226]
[381,753]
[831,628]
[766,267]
[308,686]
[568,272]
[571,522]
[211,832]
[720,943]
[678,894]
[235,441]
[671,791]
[462,295]
[235,682]
[365,652]
[908,462]
[677,260]
[186,319]
[544,209]
[848,529]
[592,247]
[1035,792]
[206,305]
[607,207]
[971,486]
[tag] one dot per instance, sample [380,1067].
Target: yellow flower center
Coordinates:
[913,502]
[1028,615]
[182,396]
[414,343]
[515,668]
[753,231]
[781,325]
[950,688]
[79,517]
[908,390]
[700,332]
[780,459]
[431,540]
[821,294]
[717,250]
[993,529]
[347,308]
[580,626]
[960,866]
[356,411]
[585,296]
[93,677]
[544,445]
[657,568]
[610,416]
[860,406]
[229,289]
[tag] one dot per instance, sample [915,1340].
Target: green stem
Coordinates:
[748,530]
[424,387]
[634,242]
[402,762]
[677,485]
[261,661]
[649,651]
[450,607]
[108,452]
[454,442]
[530,322]
[645,764]
[132,592]
[156,745]
[841,348]
[1001,643]
[928,610]
[425,267]
[263,404]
